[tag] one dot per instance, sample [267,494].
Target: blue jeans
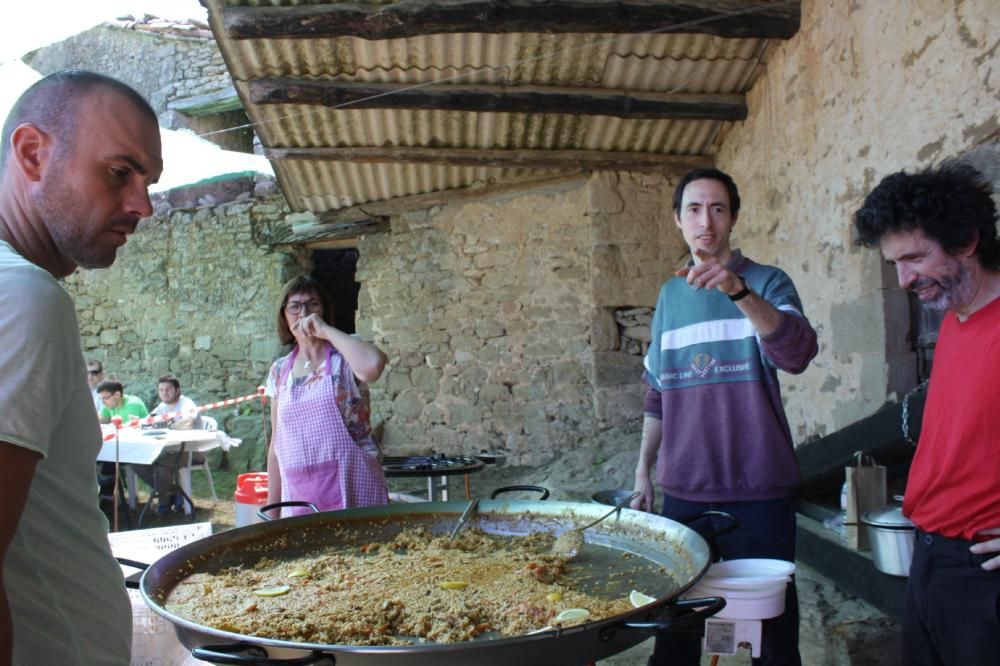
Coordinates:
[767,529]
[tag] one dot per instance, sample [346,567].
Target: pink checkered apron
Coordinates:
[319,461]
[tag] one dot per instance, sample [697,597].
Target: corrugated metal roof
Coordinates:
[515,59]
[648,62]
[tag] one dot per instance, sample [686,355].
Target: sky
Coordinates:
[187,158]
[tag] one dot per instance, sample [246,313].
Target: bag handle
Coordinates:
[863,459]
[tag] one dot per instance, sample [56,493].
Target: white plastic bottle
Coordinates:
[842,530]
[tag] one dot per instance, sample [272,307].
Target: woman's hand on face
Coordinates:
[312,326]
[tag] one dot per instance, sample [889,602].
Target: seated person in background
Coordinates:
[114,402]
[117,403]
[172,402]
[185,417]
[95,375]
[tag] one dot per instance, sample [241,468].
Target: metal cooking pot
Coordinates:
[673,556]
[891,536]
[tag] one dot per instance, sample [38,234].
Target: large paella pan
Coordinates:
[636,550]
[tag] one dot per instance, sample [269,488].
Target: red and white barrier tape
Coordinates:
[135,421]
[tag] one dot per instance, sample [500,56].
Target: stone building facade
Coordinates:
[498,323]
[192,294]
[863,90]
[498,313]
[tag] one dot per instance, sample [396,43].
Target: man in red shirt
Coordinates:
[938,228]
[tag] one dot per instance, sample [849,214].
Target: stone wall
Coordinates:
[482,309]
[489,309]
[192,293]
[863,90]
[636,248]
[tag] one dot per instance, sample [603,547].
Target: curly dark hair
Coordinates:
[709,174]
[950,204]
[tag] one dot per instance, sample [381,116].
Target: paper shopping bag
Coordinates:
[865,491]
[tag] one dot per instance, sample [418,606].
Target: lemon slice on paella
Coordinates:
[638,599]
[573,615]
[272,591]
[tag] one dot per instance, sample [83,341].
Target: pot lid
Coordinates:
[887,516]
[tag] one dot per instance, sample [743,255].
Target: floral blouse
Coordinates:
[351,396]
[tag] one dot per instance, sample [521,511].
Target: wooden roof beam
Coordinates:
[497,99]
[576,160]
[762,19]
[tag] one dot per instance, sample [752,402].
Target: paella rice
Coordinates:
[417,587]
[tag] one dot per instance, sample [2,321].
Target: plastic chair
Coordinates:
[207,423]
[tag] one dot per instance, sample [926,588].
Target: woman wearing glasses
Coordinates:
[322,448]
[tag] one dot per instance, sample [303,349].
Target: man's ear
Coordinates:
[970,249]
[30,147]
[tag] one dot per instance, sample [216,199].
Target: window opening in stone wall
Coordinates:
[633,329]
[335,270]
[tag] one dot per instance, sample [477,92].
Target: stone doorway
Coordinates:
[335,270]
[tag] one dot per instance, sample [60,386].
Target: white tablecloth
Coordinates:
[143,447]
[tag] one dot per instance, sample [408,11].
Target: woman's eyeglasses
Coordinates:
[295,307]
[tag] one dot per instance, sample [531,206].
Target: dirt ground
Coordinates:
[836,628]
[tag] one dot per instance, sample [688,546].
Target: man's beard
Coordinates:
[955,289]
[64,212]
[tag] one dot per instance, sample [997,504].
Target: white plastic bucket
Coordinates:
[754,589]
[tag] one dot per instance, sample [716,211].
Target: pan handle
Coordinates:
[132,581]
[711,536]
[683,618]
[262,511]
[225,654]
[509,489]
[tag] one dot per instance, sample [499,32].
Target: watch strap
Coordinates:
[741,294]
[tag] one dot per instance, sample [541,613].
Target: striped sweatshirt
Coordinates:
[713,382]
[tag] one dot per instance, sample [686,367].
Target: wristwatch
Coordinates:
[741,294]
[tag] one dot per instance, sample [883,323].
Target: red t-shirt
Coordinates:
[954,483]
